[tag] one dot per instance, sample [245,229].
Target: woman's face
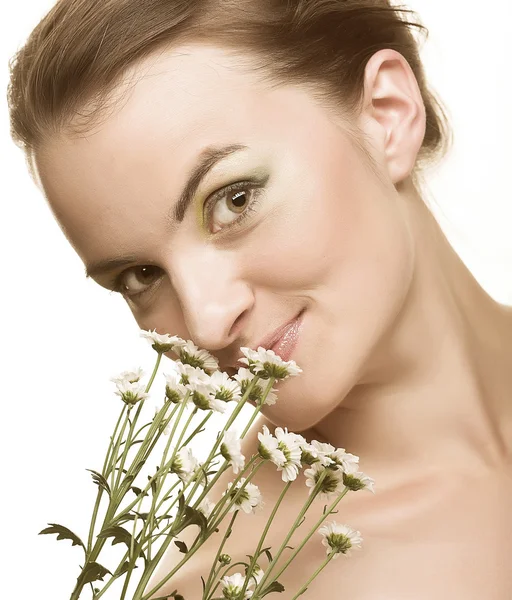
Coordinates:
[308,228]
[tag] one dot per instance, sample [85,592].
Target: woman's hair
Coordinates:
[64,77]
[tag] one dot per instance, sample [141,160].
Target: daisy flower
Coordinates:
[189,374]
[202,397]
[358,481]
[249,500]
[256,575]
[232,587]
[130,376]
[266,363]
[268,448]
[224,387]
[131,393]
[230,449]
[290,445]
[175,391]
[311,454]
[332,482]
[184,464]
[162,342]
[244,378]
[339,538]
[206,507]
[191,355]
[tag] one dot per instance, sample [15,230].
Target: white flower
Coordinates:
[268,448]
[232,587]
[130,376]
[189,374]
[268,364]
[167,428]
[327,454]
[339,538]
[206,507]
[332,484]
[190,354]
[290,445]
[161,342]
[225,388]
[175,391]
[244,378]
[256,575]
[249,500]
[348,462]
[184,464]
[311,454]
[131,393]
[230,449]
[358,481]
[202,397]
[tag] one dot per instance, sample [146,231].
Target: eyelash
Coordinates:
[210,204]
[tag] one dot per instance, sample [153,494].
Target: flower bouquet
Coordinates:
[146,512]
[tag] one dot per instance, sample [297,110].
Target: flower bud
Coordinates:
[224,559]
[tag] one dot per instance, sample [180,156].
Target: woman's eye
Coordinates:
[231,205]
[136,281]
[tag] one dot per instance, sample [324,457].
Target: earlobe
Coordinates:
[394,109]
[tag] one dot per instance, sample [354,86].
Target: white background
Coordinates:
[64,337]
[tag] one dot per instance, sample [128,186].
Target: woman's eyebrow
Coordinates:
[207,159]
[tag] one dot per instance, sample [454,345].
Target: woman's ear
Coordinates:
[393,115]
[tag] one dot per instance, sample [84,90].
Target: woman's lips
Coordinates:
[283,346]
[286,344]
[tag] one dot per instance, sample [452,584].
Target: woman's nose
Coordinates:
[214,300]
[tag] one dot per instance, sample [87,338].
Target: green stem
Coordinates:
[226,498]
[93,554]
[263,535]
[211,576]
[189,554]
[313,529]
[104,472]
[297,522]
[228,568]
[113,578]
[229,422]
[149,435]
[245,397]
[116,450]
[315,574]
[162,463]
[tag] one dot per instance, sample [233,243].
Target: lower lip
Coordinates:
[286,344]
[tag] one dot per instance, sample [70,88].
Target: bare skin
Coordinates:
[407,360]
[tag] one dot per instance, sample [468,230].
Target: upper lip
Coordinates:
[267,342]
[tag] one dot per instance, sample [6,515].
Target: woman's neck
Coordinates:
[437,391]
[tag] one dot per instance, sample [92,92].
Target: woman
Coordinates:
[232,169]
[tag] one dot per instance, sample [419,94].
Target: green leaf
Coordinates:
[63,533]
[142,516]
[119,534]
[137,491]
[122,519]
[100,480]
[267,552]
[174,595]
[275,586]
[93,572]
[182,546]
[125,567]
